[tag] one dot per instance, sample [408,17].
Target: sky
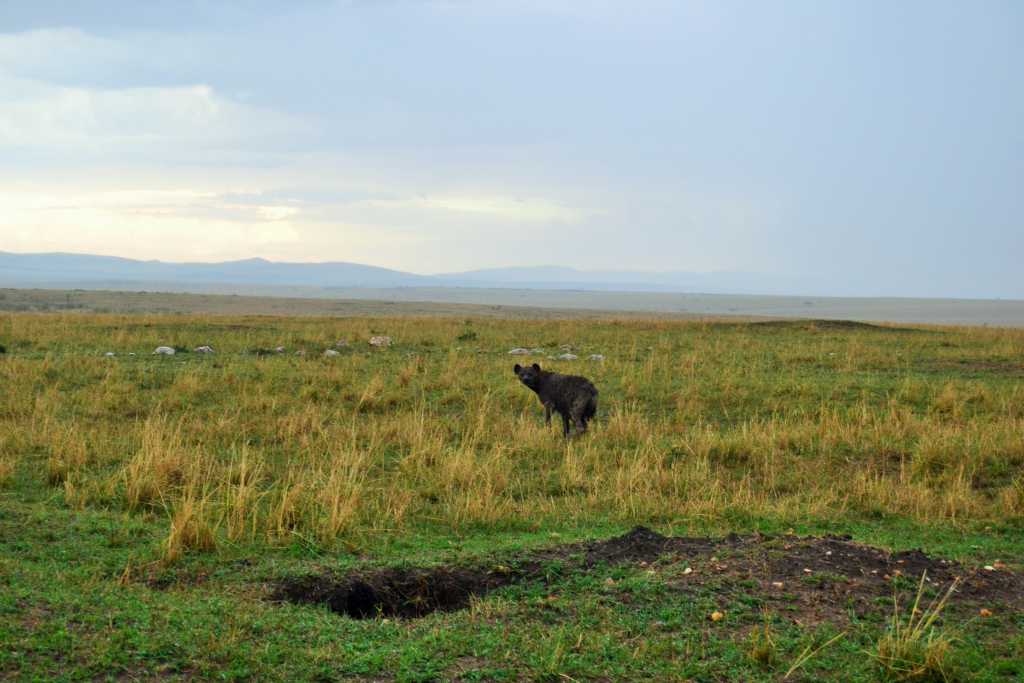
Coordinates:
[866,148]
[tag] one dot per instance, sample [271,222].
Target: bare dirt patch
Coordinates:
[982,367]
[830,573]
[829,578]
[822,325]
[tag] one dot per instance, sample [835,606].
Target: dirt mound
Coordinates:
[822,574]
[639,545]
[814,324]
[827,579]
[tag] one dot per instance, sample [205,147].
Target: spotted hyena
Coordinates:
[573,397]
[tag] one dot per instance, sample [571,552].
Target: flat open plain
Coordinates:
[750,501]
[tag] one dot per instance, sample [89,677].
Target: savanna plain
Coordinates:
[781,500]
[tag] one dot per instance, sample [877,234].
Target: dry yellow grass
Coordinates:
[697,420]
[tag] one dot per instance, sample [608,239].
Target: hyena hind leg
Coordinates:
[582,410]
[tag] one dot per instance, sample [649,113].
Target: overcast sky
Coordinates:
[872,147]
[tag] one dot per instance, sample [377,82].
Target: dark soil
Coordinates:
[830,573]
[978,367]
[823,325]
[827,579]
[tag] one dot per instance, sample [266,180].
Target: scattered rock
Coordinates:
[380,341]
[340,344]
[203,349]
[596,356]
[519,352]
[568,356]
[163,351]
[330,353]
[110,354]
[300,352]
[131,353]
[279,349]
[537,350]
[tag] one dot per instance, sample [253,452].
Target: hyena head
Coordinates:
[529,376]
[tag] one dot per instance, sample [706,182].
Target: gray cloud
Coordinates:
[870,147]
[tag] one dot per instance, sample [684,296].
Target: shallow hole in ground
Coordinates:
[393,592]
[416,592]
[820,570]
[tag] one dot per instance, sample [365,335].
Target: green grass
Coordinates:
[430,452]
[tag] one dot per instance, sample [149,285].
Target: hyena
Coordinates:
[573,397]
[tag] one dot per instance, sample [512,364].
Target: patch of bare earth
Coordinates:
[830,578]
[821,578]
[983,367]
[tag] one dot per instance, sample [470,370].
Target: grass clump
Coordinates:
[915,648]
[190,528]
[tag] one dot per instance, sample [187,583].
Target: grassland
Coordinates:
[176,303]
[149,505]
[511,303]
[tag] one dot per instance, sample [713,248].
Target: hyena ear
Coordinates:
[536,366]
[517,368]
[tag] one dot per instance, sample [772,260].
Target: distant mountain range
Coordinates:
[88,271]
[64,269]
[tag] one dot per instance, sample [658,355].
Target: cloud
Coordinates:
[151,124]
[519,210]
[145,203]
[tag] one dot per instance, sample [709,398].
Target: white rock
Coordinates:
[131,353]
[537,350]
[110,354]
[568,356]
[203,349]
[331,352]
[279,349]
[380,341]
[596,356]
[519,352]
[163,351]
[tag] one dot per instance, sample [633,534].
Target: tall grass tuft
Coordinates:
[191,528]
[915,648]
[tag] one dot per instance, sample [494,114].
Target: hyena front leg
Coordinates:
[547,414]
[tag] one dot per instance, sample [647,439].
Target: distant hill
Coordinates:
[84,269]
[90,271]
